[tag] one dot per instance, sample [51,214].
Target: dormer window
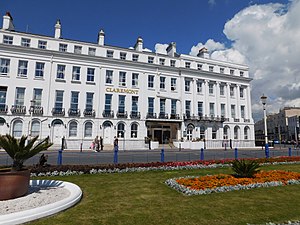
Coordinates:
[7,39]
[172,63]
[231,72]
[135,57]
[150,59]
[77,49]
[199,66]
[123,55]
[187,65]
[241,73]
[221,70]
[92,51]
[25,42]
[109,53]
[162,61]
[42,44]
[63,47]
[211,69]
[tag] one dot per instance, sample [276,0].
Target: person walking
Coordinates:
[116,149]
[101,143]
[97,144]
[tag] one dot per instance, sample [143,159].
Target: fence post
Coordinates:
[59,157]
[236,153]
[162,155]
[202,154]
[290,152]
[116,148]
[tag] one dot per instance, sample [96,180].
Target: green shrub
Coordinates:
[245,168]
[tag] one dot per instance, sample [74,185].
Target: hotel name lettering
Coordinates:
[122,90]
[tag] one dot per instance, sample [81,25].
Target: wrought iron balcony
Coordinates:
[3,109]
[163,115]
[188,116]
[108,114]
[58,111]
[151,115]
[36,110]
[122,114]
[135,115]
[174,116]
[236,120]
[74,112]
[18,109]
[89,113]
[247,120]
[223,119]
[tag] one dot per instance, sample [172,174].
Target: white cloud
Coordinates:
[266,37]
[161,48]
[210,44]
[211,2]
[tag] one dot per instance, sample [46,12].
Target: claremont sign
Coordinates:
[122,90]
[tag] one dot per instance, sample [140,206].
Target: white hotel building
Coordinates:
[51,86]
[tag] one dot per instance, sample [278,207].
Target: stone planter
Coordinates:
[13,184]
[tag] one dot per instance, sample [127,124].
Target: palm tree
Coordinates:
[22,149]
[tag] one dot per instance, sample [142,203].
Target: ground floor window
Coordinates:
[134,130]
[214,132]
[17,128]
[73,129]
[121,130]
[236,132]
[88,129]
[202,132]
[189,132]
[35,128]
[246,133]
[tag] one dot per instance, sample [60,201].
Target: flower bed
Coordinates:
[65,170]
[225,182]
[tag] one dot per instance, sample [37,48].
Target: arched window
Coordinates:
[202,132]
[35,128]
[226,130]
[236,132]
[88,129]
[17,128]
[246,133]
[121,130]
[73,129]
[214,132]
[134,130]
[189,132]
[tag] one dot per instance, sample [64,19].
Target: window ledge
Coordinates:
[60,80]
[76,81]
[91,82]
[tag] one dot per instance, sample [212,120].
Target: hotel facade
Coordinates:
[50,86]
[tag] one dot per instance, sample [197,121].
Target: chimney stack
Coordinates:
[57,29]
[101,35]
[171,49]
[203,53]
[139,44]
[8,22]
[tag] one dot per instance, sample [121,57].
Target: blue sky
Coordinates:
[157,21]
[263,34]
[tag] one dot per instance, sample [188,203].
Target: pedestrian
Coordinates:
[96,141]
[101,143]
[116,144]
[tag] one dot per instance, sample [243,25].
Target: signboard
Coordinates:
[122,90]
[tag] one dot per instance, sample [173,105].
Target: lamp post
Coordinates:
[263,99]
[32,103]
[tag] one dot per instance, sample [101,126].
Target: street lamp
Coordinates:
[263,99]
[32,103]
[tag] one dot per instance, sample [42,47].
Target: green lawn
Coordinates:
[143,198]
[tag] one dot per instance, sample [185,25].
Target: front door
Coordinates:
[107,133]
[57,133]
